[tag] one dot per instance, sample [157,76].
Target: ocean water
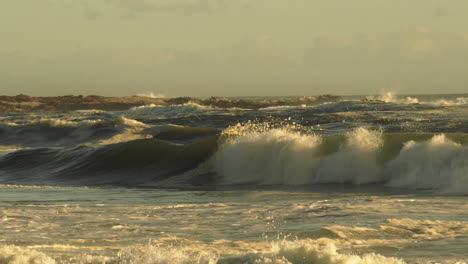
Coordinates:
[376,179]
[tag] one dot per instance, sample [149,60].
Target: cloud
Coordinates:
[170,6]
[439,11]
[89,12]
[416,54]
[129,9]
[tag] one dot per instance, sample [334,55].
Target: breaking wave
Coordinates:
[244,155]
[457,102]
[323,251]
[278,156]
[392,97]
[151,95]
[22,255]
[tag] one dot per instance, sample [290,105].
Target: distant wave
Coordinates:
[239,156]
[443,102]
[392,97]
[253,103]
[171,111]
[56,122]
[151,95]
[63,132]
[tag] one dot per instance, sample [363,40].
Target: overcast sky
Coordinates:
[233,47]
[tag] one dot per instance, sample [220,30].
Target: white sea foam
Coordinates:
[355,161]
[21,255]
[309,251]
[444,102]
[282,156]
[322,251]
[392,97]
[9,148]
[431,229]
[279,156]
[57,122]
[438,163]
[151,95]
[170,111]
[400,230]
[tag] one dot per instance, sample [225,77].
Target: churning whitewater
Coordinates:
[374,179]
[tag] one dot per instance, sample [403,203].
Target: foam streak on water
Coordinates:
[88,225]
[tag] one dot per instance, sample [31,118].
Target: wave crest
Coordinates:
[363,156]
[392,97]
[436,163]
[171,111]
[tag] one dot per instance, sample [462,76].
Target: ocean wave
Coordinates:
[392,97]
[151,95]
[255,155]
[182,134]
[400,231]
[22,255]
[254,103]
[436,163]
[280,156]
[129,163]
[171,111]
[323,251]
[65,132]
[444,102]
[57,122]
[362,156]
[366,106]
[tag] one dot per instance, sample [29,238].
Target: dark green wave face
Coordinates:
[129,163]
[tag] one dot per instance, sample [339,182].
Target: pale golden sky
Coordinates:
[233,47]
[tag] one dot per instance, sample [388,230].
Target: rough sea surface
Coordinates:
[377,179]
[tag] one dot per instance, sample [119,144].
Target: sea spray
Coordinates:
[277,156]
[355,161]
